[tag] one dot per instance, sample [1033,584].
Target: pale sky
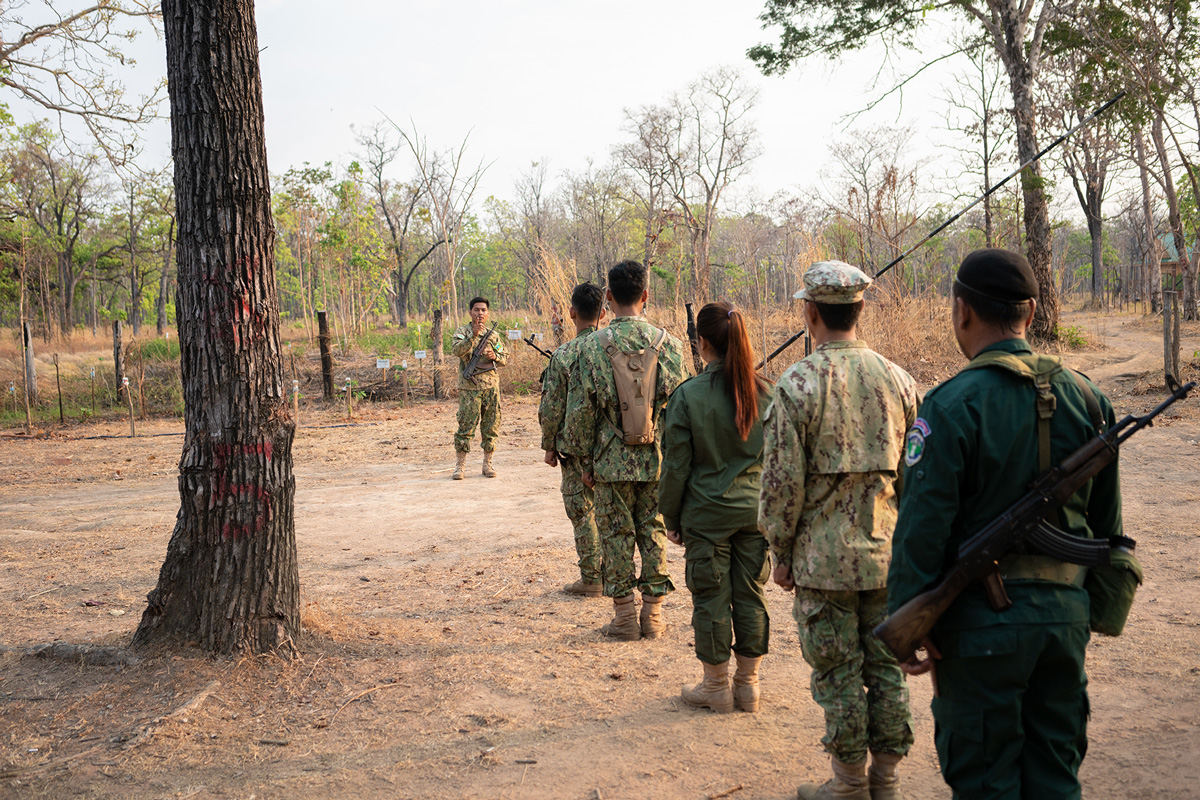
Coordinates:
[538,80]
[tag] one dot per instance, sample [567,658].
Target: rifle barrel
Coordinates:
[780,349]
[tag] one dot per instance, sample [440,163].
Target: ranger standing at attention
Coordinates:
[587,309]
[833,441]
[622,379]
[1010,698]
[479,394]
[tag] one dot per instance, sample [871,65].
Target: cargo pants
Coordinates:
[627,518]
[579,502]
[855,678]
[726,573]
[477,408]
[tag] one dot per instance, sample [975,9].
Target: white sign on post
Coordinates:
[404,364]
[419,355]
[514,334]
[382,363]
[537,336]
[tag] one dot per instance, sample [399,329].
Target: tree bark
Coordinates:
[230,581]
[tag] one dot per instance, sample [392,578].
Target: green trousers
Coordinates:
[627,518]
[855,678]
[481,409]
[726,573]
[580,504]
[1011,711]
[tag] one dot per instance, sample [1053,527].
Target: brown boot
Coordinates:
[883,777]
[584,588]
[459,467]
[712,692]
[849,782]
[745,683]
[625,622]
[488,470]
[652,618]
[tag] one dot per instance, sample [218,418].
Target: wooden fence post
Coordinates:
[58,385]
[438,390]
[326,356]
[118,361]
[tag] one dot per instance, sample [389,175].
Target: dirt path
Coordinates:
[438,600]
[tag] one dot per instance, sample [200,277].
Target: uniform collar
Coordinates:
[618,319]
[714,365]
[1015,345]
[843,344]
[586,331]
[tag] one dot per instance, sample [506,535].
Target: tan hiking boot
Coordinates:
[745,683]
[849,782]
[883,776]
[651,618]
[625,622]
[712,692]
[488,470]
[460,467]
[582,587]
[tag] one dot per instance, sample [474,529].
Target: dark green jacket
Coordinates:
[710,477]
[971,454]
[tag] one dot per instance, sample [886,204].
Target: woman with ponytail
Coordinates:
[708,496]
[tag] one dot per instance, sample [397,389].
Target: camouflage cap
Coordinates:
[833,282]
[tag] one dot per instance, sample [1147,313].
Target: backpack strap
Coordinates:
[1039,374]
[1089,399]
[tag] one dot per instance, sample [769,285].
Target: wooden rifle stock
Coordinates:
[978,557]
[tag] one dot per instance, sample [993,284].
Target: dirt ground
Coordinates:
[440,659]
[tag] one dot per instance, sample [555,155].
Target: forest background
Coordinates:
[399,226]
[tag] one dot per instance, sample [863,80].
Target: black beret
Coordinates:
[1000,275]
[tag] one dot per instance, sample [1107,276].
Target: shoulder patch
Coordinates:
[914,441]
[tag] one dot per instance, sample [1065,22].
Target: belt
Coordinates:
[1041,568]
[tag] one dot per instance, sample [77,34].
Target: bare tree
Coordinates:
[645,157]
[64,61]
[599,214]
[230,580]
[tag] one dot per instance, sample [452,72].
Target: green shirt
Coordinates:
[970,455]
[552,409]
[710,477]
[463,345]
[832,448]
[593,432]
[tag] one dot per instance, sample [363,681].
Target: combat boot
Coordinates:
[460,467]
[582,587]
[745,683]
[488,470]
[712,692]
[651,618]
[849,782]
[625,622]
[883,777]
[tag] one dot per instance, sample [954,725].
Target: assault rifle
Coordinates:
[472,368]
[529,341]
[1021,528]
[780,349]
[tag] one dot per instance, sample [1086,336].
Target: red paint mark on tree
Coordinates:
[253,494]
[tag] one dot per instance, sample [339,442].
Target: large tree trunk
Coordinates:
[230,580]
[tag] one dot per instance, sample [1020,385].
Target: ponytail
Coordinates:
[724,327]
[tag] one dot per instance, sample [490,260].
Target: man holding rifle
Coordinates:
[587,309]
[479,392]
[1010,692]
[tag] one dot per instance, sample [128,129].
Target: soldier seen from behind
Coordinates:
[586,312]
[708,496]
[833,441]
[1010,698]
[622,379]
[478,394]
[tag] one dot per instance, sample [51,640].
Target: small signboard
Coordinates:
[404,364]
[382,363]
[537,336]
[514,335]
[419,355]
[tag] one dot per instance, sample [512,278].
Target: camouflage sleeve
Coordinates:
[499,349]
[781,498]
[579,434]
[463,343]
[553,403]
[677,461]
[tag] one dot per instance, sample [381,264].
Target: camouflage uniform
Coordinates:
[478,398]
[578,498]
[626,475]
[833,438]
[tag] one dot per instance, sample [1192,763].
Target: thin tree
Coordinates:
[230,580]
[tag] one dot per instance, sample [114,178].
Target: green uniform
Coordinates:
[478,398]
[626,475]
[833,444]
[1012,706]
[709,490]
[578,498]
